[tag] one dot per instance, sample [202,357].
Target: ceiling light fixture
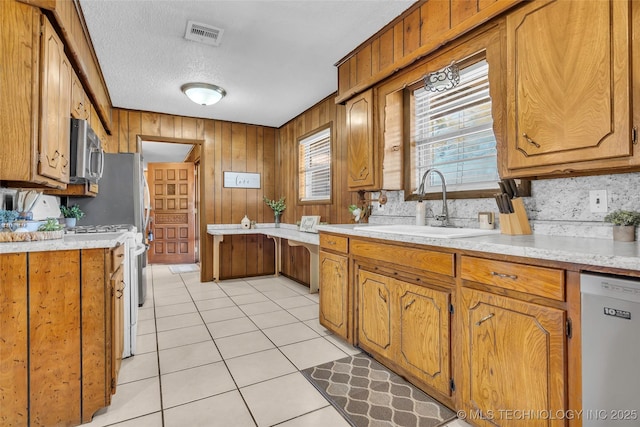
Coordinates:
[203,93]
[444,79]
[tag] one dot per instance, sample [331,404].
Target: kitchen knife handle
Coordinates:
[514,188]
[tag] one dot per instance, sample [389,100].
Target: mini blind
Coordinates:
[314,170]
[454,133]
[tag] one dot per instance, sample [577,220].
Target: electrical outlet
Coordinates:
[598,201]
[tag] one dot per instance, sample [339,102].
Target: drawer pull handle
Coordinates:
[504,276]
[484,319]
[331,242]
[530,141]
[382,296]
[406,307]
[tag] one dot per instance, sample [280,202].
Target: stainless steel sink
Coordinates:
[427,231]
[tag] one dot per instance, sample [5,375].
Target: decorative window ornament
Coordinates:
[444,79]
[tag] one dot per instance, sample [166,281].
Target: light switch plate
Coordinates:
[598,201]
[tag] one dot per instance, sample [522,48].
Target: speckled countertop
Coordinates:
[68,242]
[596,252]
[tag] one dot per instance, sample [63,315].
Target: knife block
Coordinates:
[516,222]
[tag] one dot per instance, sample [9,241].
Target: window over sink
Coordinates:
[452,131]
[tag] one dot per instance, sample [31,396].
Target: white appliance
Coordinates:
[610,348]
[134,247]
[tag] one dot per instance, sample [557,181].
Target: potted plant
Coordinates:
[278,207]
[624,224]
[71,214]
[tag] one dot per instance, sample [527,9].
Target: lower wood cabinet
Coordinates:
[56,333]
[513,358]
[334,293]
[117,324]
[407,324]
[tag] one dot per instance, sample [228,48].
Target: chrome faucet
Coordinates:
[444,216]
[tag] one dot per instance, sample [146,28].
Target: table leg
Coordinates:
[278,254]
[217,239]
[314,261]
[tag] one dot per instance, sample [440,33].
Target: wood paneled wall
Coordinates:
[224,146]
[417,32]
[295,260]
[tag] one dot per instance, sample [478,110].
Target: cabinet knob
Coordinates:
[406,307]
[530,141]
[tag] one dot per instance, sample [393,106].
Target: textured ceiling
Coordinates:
[276,58]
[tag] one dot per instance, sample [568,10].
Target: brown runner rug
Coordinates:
[369,395]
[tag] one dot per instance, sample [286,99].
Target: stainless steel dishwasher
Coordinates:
[610,350]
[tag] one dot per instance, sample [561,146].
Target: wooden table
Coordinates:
[311,241]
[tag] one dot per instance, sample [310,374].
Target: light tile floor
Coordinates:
[226,354]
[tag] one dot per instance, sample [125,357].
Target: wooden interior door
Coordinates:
[173,213]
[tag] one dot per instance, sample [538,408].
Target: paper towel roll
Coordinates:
[421,213]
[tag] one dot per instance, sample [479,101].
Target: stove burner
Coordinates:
[84,229]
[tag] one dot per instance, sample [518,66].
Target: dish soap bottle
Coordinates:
[246,222]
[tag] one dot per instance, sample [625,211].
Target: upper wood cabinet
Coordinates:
[55,107]
[80,104]
[362,153]
[568,88]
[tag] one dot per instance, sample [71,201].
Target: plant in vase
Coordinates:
[71,214]
[624,224]
[278,207]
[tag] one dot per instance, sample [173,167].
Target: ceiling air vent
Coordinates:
[203,33]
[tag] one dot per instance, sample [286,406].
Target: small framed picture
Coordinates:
[309,223]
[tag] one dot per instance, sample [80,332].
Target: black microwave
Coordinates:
[87,155]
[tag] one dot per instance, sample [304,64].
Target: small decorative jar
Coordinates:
[246,222]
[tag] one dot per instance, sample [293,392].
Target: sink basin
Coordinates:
[427,231]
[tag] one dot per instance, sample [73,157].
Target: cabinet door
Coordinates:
[568,83]
[79,101]
[513,357]
[13,336]
[424,338]
[361,151]
[117,319]
[334,293]
[55,107]
[374,313]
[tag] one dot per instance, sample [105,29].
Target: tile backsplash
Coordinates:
[556,207]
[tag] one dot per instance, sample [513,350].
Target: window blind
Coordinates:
[314,174]
[454,133]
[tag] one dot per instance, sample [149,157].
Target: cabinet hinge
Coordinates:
[451,308]
[452,385]
[569,328]
[113,383]
[634,135]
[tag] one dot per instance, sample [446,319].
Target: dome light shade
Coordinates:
[203,93]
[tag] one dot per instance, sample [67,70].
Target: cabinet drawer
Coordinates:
[334,243]
[421,259]
[541,281]
[117,257]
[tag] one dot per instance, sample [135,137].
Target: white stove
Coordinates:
[134,248]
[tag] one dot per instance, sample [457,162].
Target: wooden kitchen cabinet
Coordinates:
[513,358]
[56,326]
[424,334]
[363,162]
[35,82]
[334,293]
[375,313]
[117,324]
[80,104]
[55,107]
[569,88]
[407,324]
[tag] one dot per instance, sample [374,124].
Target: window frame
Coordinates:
[331,163]
[492,41]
